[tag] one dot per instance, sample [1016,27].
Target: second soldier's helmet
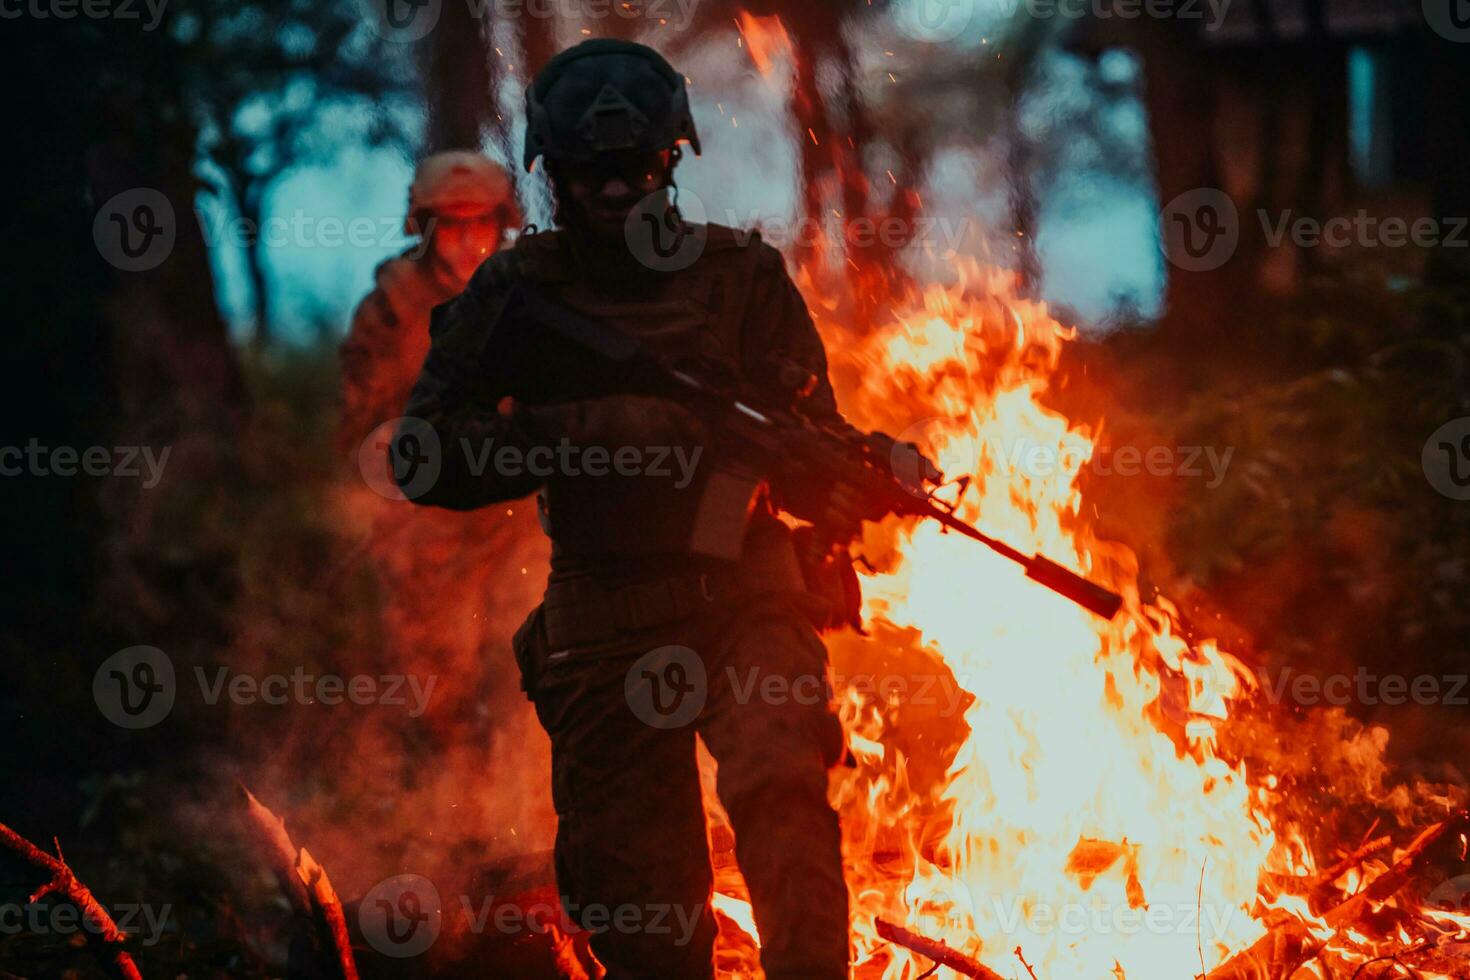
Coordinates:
[456,179]
[606,95]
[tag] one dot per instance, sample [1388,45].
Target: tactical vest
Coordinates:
[695,313]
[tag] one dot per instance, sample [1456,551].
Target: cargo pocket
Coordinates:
[826,725]
[529,646]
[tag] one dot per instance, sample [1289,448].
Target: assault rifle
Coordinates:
[775,445]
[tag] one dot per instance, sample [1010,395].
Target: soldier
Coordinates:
[460,205]
[609,120]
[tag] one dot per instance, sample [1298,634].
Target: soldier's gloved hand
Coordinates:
[906,461]
[620,420]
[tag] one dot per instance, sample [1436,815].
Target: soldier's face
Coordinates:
[603,193]
[464,238]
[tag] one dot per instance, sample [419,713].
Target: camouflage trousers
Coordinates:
[631,839]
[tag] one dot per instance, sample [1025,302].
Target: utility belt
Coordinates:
[593,610]
[589,612]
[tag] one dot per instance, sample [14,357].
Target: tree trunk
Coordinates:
[457,79]
[1448,136]
[250,204]
[102,356]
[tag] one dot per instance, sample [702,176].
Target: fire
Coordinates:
[1079,813]
[1076,825]
[765,39]
[1061,805]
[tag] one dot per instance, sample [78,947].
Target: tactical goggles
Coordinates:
[638,169]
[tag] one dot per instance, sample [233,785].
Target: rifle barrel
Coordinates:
[1040,569]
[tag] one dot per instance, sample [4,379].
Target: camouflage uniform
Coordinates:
[388,341]
[389,336]
[623,583]
[424,559]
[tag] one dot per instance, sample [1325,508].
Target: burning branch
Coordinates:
[1385,885]
[1328,876]
[305,883]
[1290,944]
[64,884]
[936,950]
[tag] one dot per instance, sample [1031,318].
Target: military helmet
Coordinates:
[604,95]
[459,178]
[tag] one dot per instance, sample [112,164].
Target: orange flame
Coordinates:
[765,39]
[1070,821]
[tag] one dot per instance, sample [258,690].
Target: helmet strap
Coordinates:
[675,155]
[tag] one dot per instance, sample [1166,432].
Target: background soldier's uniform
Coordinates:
[387,342]
[422,559]
[632,829]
